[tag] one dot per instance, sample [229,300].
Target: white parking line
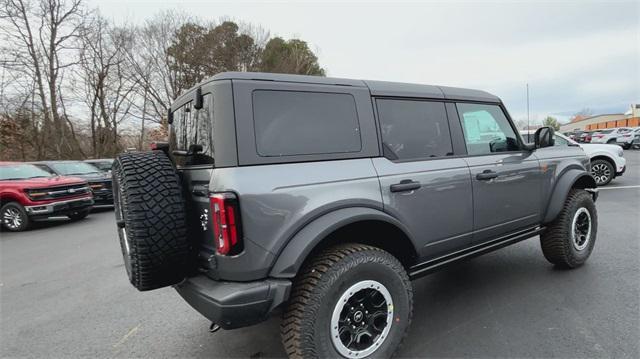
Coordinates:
[618,187]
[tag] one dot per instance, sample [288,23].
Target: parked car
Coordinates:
[585,137]
[325,196]
[607,161]
[636,141]
[99,181]
[103,164]
[28,192]
[626,139]
[574,135]
[609,135]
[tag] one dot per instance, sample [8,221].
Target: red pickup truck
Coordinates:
[28,192]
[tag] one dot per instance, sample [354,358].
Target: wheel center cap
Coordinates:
[357,316]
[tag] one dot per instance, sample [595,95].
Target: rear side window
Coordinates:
[289,123]
[414,129]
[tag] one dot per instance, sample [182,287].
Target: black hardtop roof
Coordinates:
[377,88]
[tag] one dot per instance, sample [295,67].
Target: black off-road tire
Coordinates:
[12,209]
[78,215]
[597,168]
[306,325]
[557,242]
[151,219]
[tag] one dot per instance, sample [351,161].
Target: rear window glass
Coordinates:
[289,123]
[414,129]
[192,127]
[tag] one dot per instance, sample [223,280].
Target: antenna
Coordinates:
[528,124]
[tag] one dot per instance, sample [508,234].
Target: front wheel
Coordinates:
[78,215]
[351,301]
[568,241]
[14,217]
[602,171]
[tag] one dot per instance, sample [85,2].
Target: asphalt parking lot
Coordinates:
[64,293]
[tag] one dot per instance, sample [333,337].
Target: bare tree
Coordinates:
[108,89]
[157,79]
[41,36]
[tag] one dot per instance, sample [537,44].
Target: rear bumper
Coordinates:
[60,207]
[234,304]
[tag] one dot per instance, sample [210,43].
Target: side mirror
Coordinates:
[544,137]
[198,100]
[169,116]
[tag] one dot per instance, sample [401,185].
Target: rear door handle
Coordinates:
[486,175]
[405,185]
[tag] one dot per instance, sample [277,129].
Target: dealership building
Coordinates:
[629,119]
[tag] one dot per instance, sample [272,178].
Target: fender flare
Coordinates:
[562,188]
[304,241]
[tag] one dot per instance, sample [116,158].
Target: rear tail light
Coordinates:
[225,219]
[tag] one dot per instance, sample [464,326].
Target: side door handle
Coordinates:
[486,175]
[405,185]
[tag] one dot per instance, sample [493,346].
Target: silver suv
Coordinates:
[321,198]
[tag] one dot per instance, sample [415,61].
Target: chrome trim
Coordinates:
[49,206]
[70,190]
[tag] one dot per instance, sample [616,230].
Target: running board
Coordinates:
[433,265]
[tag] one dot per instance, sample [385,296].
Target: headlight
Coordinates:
[620,152]
[36,194]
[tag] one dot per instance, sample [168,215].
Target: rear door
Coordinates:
[423,184]
[193,127]
[506,178]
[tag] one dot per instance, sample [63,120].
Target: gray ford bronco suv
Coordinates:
[319,199]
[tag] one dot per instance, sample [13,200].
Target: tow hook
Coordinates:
[213,328]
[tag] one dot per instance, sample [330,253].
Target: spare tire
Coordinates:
[151,219]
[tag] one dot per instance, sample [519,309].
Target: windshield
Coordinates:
[605,131]
[102,165]
[21,171]
[73,168]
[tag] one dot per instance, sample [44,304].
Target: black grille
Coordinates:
[58,192]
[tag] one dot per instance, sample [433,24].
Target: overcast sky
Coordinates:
[573,54]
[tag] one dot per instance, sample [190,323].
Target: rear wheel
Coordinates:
[569,239]
[602,171]
[351,301]
[14,217]
[151,220]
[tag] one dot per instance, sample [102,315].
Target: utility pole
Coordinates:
[528,123]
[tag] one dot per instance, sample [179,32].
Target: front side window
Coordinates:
[486,129]
[193,127]
[414,129]
[561,141]
[289,123]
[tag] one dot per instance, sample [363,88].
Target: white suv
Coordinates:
[609,135]
[626,139]
[607,161]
